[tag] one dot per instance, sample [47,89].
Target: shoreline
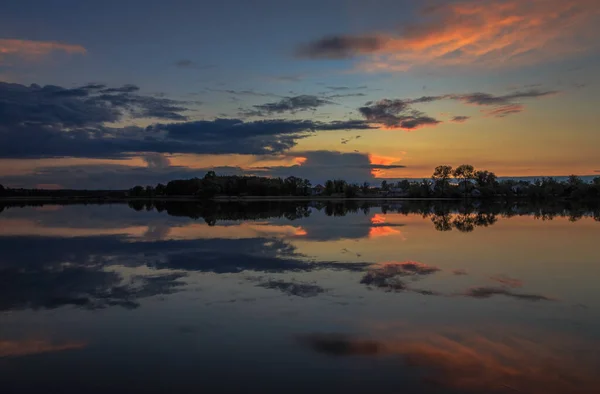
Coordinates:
[217,199]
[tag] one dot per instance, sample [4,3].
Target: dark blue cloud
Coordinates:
[292,104]
[340,47]
[50,121]
[128,88]
[84,106]
[396,113]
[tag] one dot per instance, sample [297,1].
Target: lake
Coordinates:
[275,297]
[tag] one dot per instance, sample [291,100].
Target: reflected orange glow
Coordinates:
[35,346]
[385,231]
[301,232]
[497,361]
[378,219]
[20,227]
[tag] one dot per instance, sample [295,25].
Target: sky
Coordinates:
[117,93]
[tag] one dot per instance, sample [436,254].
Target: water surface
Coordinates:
[278,297]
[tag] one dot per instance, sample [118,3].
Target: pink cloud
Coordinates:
[36,49]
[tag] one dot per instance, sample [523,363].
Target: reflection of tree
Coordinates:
[441,222]
[445,215]
[464,223]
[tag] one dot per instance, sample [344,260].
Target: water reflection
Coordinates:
[488,361]
[130,285]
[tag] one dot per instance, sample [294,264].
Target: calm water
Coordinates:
[284,298]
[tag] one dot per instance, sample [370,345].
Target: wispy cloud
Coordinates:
[35,49]
[187,63]
[488,292]
[292,105]
[472,32]
[460,119]
[505,110]
[396,114]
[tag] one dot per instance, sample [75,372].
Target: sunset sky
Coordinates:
[116,93]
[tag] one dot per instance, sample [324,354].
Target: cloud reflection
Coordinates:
[496,361]
[10,348]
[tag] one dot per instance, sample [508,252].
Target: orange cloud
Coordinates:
[383,160]
[35,346]
[300,160]
[35,49]
[476,32]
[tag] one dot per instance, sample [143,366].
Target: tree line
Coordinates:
[466,181]
[463,181]
[231,185]
[461,215]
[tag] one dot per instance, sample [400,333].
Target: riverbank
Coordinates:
[217,198]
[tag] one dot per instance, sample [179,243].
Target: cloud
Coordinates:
[35,49]
[344,88]
[488,292]
[156,160]
[114,176]
[460,119]
[472,32]
[396,114]
[507,281]
[127,88]
[320,166]
[505,110]
[251,93]
[341,47]
[294,288]
[58,107]
[288,78]
[507,99]
[187,63]
[342,95]
[52,121]
[293,104]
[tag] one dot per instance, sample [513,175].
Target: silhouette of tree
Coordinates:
[160,189]
[441,176]
[365,188]
[466,172]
